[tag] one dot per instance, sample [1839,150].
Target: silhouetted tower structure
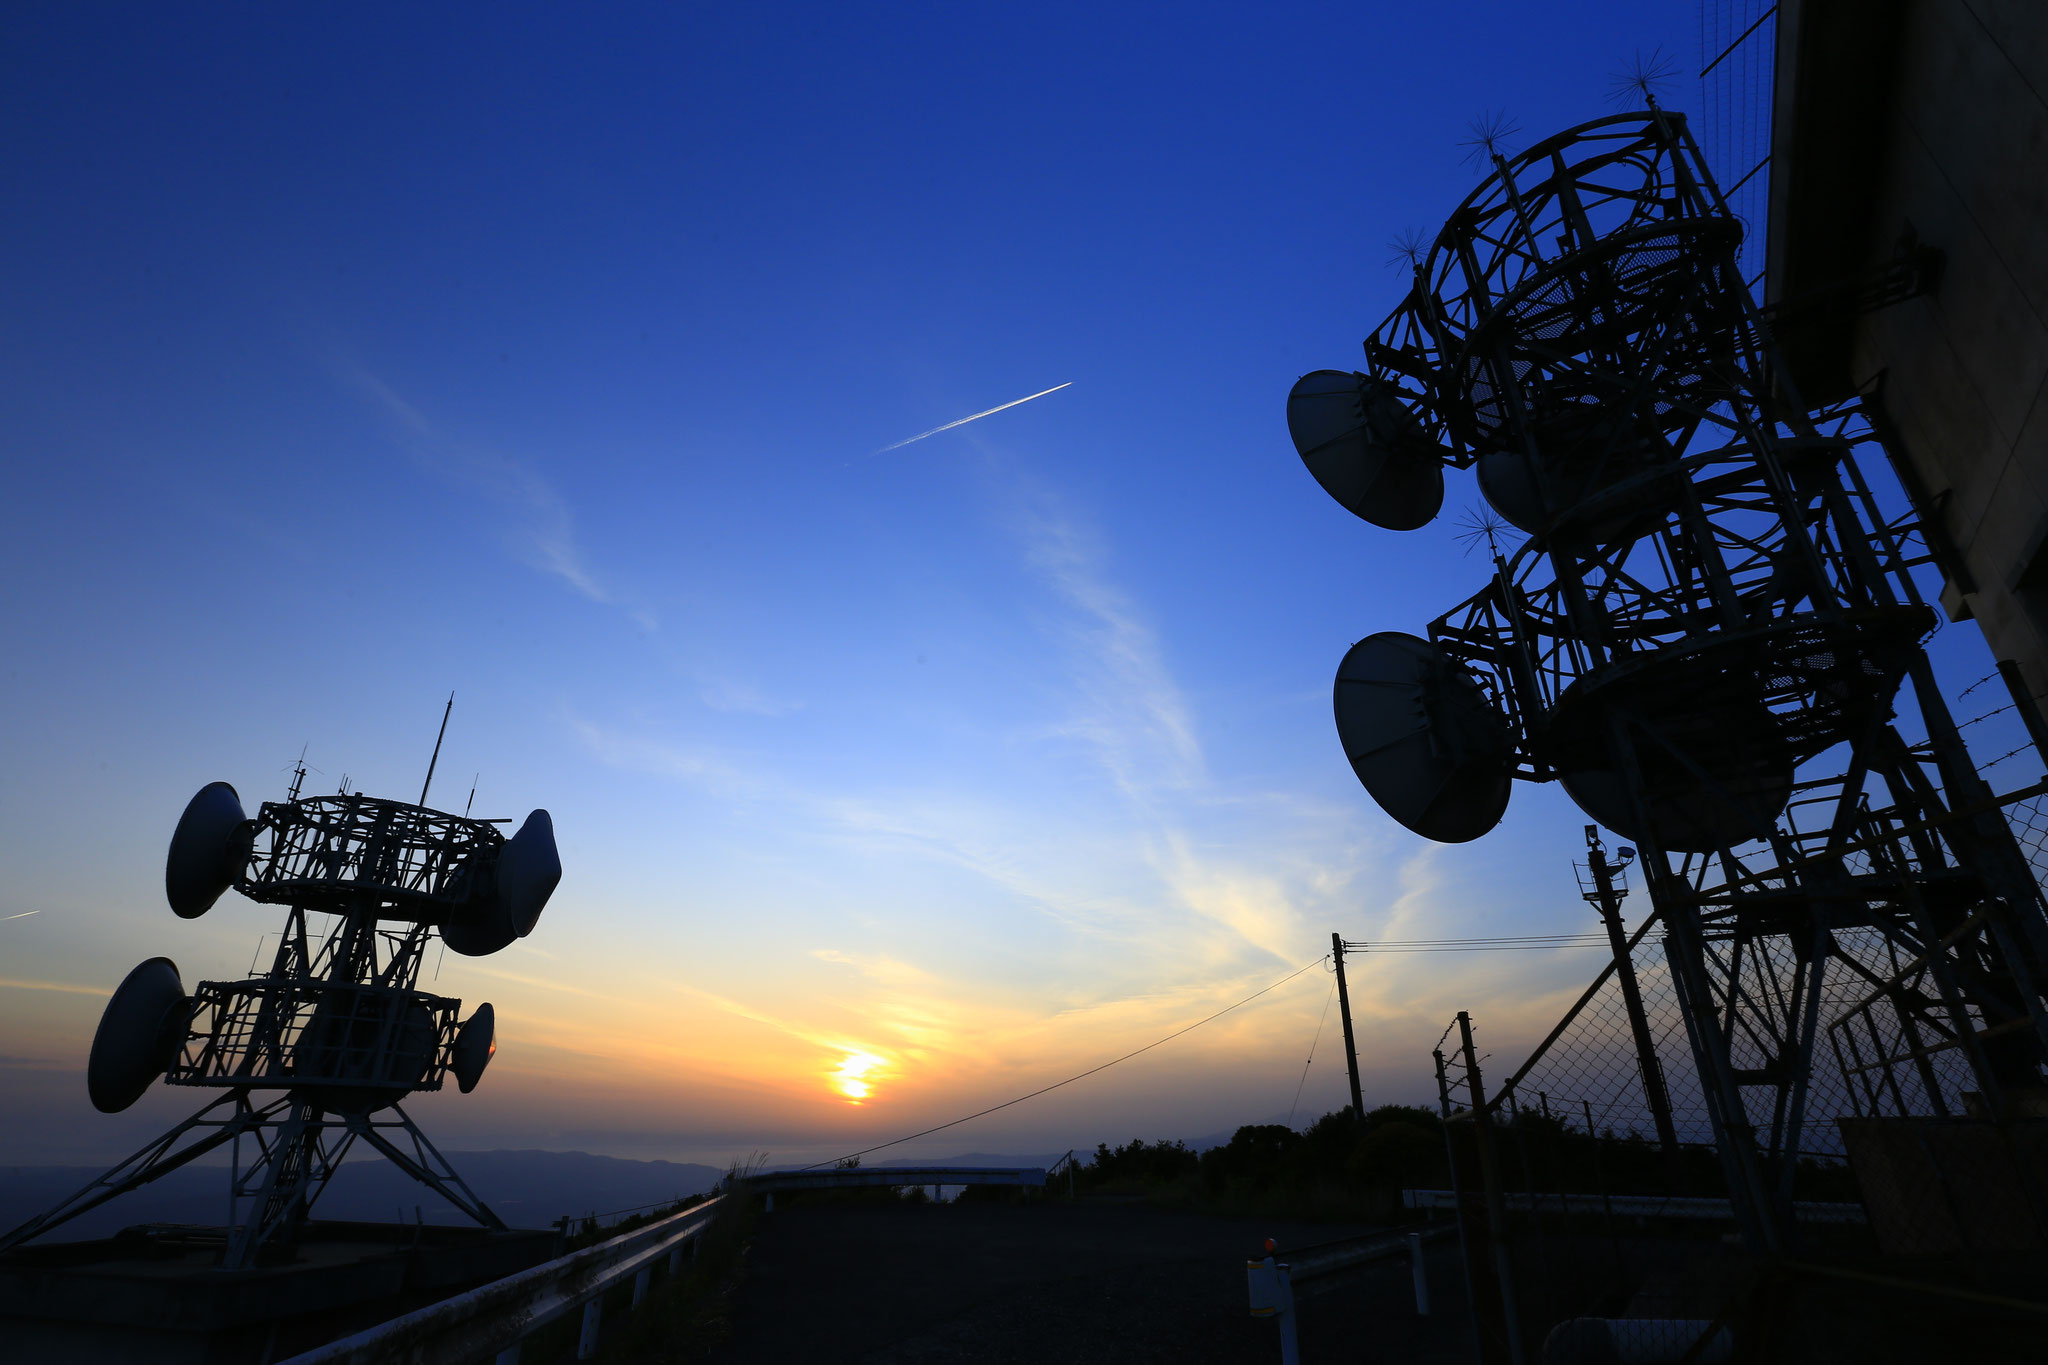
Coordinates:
[1711,638]
[316,1052]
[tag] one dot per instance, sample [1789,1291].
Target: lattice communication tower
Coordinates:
[315,1053]
[1711,638]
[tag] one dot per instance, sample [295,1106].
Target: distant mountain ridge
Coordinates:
[529,1189]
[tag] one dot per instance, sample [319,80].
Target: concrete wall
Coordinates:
[1963,165]
[1965,369]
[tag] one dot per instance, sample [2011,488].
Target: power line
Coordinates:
[897,1142]
[1320,1020]
[1496,944]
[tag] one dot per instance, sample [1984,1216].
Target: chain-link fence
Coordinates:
[1604,1219]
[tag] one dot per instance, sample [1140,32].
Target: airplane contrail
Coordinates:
[23,915]
[975,418]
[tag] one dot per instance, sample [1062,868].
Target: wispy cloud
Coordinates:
[543,527]
[974,417]
[1133,712]
[66,988]
[540,982]
[733,696]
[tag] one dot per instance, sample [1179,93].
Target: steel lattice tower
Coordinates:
[1711,637]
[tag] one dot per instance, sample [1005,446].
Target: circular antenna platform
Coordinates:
[139,1035]
[337,853]
[475,1044]
[1366,449]
[1423,738]
[366,1047]
[206,850]
[1583,454]
[1715,765]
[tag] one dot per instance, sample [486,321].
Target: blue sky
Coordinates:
[543,355]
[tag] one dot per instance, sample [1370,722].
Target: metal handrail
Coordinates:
[493,1319]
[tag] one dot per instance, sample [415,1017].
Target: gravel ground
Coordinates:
[1061,1282]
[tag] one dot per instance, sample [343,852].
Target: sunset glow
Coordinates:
[1007,750]
[850,1080]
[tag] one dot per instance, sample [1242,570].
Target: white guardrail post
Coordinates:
[1421,1274]
[1272,1296]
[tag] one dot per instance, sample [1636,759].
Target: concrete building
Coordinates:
[1900,125]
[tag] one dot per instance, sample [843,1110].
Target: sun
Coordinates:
[851,1080]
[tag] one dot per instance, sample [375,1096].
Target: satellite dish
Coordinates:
[529,869]
[527,873]
[1423,738]
[475,1044]
[206,850]
[139,1035]
[1681,730]
[1366,448]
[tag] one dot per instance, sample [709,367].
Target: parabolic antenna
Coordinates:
[1422,737]
[206,850]
[138,1035]
[1714,763]
[528,870]
[475,1045]
[1366,449]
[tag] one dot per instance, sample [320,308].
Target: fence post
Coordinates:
[640,1281]
[1469,1252]
[1606,1204]
[1421,1274]
[1489,1177]
[593,1317]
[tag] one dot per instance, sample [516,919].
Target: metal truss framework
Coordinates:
[337,1023]
[329,852]
[1713,639]
[297,1149]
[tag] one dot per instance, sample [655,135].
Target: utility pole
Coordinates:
[1350,1044]
[1608,889]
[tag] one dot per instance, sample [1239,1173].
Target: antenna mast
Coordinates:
[437,750]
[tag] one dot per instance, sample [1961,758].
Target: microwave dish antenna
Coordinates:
[316,1053]
[1711,639]
[1422,737]
[1366,449]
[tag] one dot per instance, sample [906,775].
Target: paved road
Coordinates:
[1059,1282]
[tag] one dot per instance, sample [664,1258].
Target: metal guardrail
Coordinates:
[1634,1206]
[1272,1282]
[492,1320]
[1312,1263]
